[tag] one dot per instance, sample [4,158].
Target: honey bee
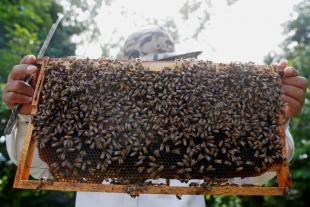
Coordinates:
[227,145]
[201,169]
[133,154]
[54,165]
[212,151]
[188,176]
[92,146]
[181,171]
[188,170]
[83,153]
[145,151]
[178,143]
[227,163]
[176,151]
[153,165]
[256,154]
[238,169]
[239,162]
[257,169]
[91,170]
[221,143]
[167,148]
[217,161]
[249,163]
[209,168]
[62,156]
[227,134]
[242,143]
[139,163]
[120,160]
[150,170]
[187,163]
[153,159]
[156,152]
[147,142]
[208,158]
[215,153]
[56,144]
[88,141]
[270,160]
[160,168]
[179,196]
[142,157]
[71,149]
[141,169]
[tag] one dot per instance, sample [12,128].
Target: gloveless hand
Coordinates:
[16,90]
[295,87]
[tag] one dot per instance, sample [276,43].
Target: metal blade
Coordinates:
[28,79]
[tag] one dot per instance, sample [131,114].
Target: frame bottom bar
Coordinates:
[111,188]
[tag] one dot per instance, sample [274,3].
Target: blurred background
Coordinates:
[225,30]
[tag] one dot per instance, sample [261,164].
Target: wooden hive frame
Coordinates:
[23,170]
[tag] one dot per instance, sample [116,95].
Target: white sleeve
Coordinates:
[14,145]
[269,175]
[289,141]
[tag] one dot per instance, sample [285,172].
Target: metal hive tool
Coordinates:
[127,122]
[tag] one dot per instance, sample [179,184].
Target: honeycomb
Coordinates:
[120,121]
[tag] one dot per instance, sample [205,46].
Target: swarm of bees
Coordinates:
[121,121]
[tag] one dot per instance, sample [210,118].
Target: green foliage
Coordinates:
[19,26]
[24,25]
[297,45]
[11,197]
[296,49]
[21,197]
[190,8]
[223,201]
